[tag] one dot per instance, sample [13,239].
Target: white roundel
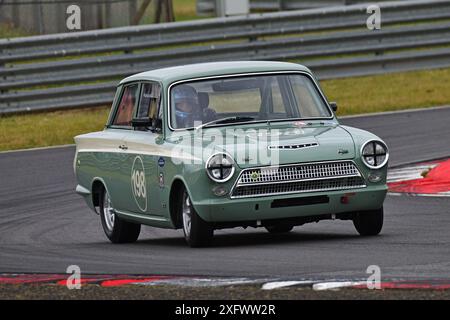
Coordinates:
[138,184]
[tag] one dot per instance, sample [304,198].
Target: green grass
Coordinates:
[7,31]
[185,10]
[356,95]
[49,128]
[389,92]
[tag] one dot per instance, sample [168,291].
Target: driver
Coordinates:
[186,105]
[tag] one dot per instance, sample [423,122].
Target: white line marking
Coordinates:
[396,194]
[409,173]
[336,285]
[200,282]
[39,148]
[372,114]
[442,194]
[437,195]
[283,284]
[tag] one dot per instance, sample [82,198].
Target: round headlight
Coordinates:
[374,154]
[220,167]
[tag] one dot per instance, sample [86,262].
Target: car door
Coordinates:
[120,124]
[143,150]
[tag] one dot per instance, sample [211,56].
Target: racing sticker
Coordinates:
[161,162]
[138,184]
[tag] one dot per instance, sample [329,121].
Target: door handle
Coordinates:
[123,147]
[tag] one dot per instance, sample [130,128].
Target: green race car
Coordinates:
[227,144]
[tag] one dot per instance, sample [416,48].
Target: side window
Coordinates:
[149,102]
[125,109]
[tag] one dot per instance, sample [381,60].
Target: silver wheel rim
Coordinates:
[108,212]
[187,215]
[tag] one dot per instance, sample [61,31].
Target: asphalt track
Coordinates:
[45,226]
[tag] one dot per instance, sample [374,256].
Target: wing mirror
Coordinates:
[155,125]
[141,122]
[333,106]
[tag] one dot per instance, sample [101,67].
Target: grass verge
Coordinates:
[239,292]
[8,31]
[389,92]
[49,128]
[356,95]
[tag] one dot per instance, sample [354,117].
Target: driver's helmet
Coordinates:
[186,105]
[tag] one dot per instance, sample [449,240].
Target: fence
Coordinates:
[81,69]
[49,16]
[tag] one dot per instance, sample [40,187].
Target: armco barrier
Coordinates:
[81,69]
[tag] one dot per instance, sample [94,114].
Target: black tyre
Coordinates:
[116,229]
[369,223]
[279,228]
[197,232]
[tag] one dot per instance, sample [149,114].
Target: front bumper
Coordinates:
[261,208]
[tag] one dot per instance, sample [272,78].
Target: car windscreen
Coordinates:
[250,98]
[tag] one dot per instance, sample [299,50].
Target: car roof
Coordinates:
[183,72]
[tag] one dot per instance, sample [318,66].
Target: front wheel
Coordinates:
[116,229]
[369,223]
[197,232]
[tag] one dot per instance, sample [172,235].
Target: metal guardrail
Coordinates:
[208,7]
[81,69]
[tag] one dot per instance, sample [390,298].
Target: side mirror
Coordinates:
[156,125]
[333,106]
[141,122]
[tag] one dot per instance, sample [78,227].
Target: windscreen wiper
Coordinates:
[225,120]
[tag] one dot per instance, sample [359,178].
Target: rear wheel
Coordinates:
[197,232]
[369,223]
[116,229]
[279,228]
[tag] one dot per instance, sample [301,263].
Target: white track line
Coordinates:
[372,114]
[283,284]
[200,282]
[437,195]
[408,173]
[336,285]
[39,148]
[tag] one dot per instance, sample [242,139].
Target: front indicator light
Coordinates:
[219,191]
[374,177]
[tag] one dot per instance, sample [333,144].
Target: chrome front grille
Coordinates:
[308,177]
[298,172]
